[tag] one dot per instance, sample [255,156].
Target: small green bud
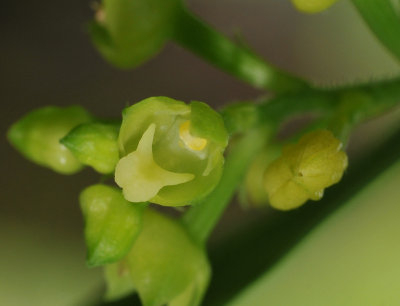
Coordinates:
[37,136]
[111,224]
[172,153]
[312,6]
[129,32]
[255,193]
[95,144]
[304,170]
[165,265]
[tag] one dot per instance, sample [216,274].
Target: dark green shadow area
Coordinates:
[248,254]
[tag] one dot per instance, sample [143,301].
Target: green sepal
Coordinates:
[207,123]
[138,117]
[118,280]
[95,144]
[129,32]
[37,136]
[166,266]
[111,223]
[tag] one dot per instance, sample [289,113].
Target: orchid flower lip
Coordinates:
[140,177]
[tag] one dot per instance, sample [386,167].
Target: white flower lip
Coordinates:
[140,177]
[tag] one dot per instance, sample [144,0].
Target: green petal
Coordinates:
[207,123]
[136,119]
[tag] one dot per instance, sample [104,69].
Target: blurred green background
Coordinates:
[47,59]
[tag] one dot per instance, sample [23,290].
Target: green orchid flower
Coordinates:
[172,153]
[304,170]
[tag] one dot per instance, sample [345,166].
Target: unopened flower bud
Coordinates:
[37,136]
[95,144]
[304,170]
[111,223]
[172,153]
[129,32]
[312,6]
[164,265]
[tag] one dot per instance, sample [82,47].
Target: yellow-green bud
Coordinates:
[304,170]
[95,144]
[312,6]
[164,264]
[111,223]
[254,189]
[37,136]
[129,32]
[172,153]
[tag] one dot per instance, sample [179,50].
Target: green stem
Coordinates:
[383,20]
[281,107]
[202,218]
[235,59]
[382,96]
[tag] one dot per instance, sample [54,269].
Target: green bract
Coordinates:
[111,223]
[164,266]
[172,153]
[304,170]
[95,144]
[37,136]
[129,32]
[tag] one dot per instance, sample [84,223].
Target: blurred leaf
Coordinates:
[383,20]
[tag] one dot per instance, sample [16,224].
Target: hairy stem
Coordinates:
[206,42]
